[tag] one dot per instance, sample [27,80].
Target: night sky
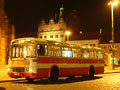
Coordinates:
[93,14]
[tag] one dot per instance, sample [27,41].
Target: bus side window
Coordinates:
[41,49]
[50,50]
[76,52]
[92,53]
[54,51]
[66,52]
[99,54]
[85,53]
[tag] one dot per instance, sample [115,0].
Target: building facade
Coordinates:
[58,25]
[52,30]
[7,31]
[108,54]
[107,47]
[92,43]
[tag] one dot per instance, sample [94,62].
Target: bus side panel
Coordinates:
[63,60]
[43,73]
[99,70]
[73,71]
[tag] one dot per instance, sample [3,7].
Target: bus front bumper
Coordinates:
[21,75]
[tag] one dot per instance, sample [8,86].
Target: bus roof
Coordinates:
[50,42]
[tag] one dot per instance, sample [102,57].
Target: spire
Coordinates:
[61,11]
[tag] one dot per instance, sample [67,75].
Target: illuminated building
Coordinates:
[53,30]
[6,34]
[57,26]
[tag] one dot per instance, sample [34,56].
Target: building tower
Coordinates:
[55,29]
[61,11]
[6,34]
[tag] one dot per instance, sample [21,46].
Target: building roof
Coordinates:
[85,36]
[105,37]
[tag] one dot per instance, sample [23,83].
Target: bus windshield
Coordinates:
[23,50]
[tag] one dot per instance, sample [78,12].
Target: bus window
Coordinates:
[54,51]
[29,50]
[76,53]
[57,51]
[41,49]
[99,54]
[22,51]
[66,52]
[85,53]
[13,52]
[50,50]
[92,53]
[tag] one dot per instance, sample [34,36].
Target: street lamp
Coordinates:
[68,33]
[112,3]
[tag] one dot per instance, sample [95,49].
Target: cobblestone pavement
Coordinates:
[110,80]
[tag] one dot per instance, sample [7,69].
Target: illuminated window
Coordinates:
[66,52]
[61,35]
[51,36]
[40,36]
[92,54]
[85,53]
[99,54]
[42,49]
[56,36]
[94,45]
[76,52]
[45,36]
[20,51]
[54,51]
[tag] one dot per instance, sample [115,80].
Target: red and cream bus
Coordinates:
[33,58]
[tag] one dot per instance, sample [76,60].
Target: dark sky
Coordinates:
[93,14]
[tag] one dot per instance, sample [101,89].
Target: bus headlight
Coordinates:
[8,69]
[30,69]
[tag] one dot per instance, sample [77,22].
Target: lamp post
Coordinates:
[112,3]
[67,33]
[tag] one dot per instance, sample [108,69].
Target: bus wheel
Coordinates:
[54,74]
[30,79]
[91,72]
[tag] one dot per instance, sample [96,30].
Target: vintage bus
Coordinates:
[35,58]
